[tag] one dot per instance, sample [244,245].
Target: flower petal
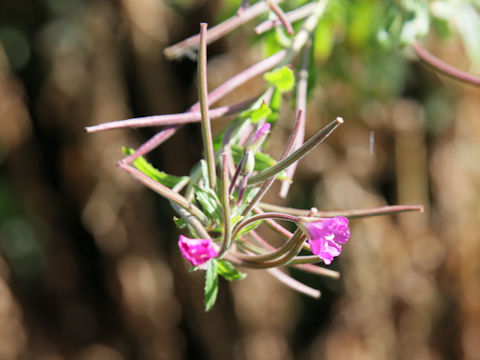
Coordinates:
[326,236]
[197,251]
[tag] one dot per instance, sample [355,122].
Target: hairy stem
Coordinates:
[292,16]
[203,92]
[354,213]
[217,31]
[298,154]
[165,192]
[301,107]
[294,284]
[227,231]
[270,215]
[171,119]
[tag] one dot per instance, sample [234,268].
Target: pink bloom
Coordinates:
[197,251]
[327,236]
[263,131]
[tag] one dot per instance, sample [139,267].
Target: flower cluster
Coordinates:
[220,204]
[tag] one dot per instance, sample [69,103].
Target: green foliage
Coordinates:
[211,284]
[228,271]
[256,114]
[249,228]
[148,169]
[416,21]
[180,223]
[209,202]
[283,79]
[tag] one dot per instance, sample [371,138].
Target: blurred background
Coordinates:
[89,266]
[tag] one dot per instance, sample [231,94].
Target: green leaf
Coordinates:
[388,33]
[145,167]
[211,284]
[275,105]
[256,114]
[228,271]
[180,223]
[209,202]
[249,227]
[283,78]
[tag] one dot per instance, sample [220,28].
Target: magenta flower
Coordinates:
[197,251]
[326,236]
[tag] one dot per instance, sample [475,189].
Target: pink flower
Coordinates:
[326,236]
[197,251]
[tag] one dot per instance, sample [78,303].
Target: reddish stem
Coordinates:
[442,67]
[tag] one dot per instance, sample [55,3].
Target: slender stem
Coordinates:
[237,173]
[203,92]
[305,32]
[292,16]
[217,31]
[354,213]
[227,231]
[259,241]
[318,270]
[242,77]
[151,144]
[270,215]
[294,284]
[191,220]
[309,259]
[281,256]
[165,192]
[171,119]
[442,67]
[269,181]
[301,107]
[281,16]
[278,257]
[298,154]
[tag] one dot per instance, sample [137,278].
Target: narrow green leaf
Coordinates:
[148,169]
[283,78]
[249,227]
[211,284]
[209,202]
[275,105]
[180,223]
[228,271]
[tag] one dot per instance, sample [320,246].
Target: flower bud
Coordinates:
[249,165]
[260,136]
